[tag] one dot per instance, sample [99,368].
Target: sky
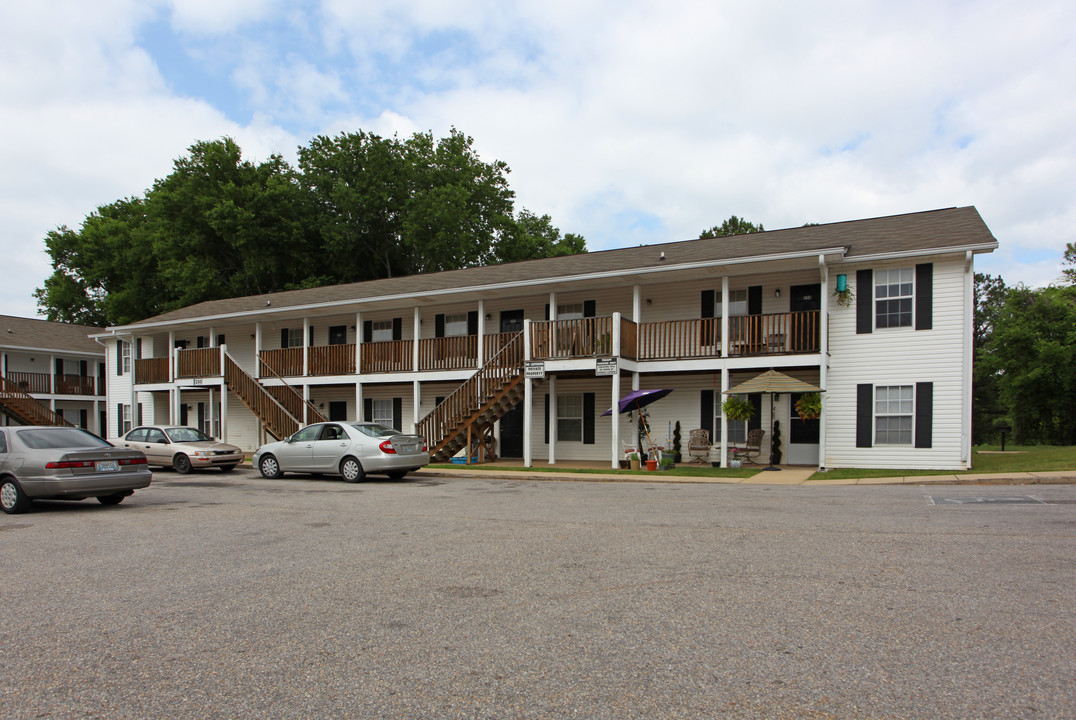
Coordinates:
[629,122]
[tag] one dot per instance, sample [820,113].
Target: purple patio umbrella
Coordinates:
[637,400]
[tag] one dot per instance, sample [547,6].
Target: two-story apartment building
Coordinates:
[528,355]
[51,373]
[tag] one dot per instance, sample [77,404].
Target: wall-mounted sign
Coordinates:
[605,366]
[534,369]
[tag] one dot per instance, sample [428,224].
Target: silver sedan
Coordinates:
[350,450]
[65,463]
[183,448]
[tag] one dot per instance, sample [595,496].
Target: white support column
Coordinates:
[417,335]
[306,403]
[212,414]
[724,420]
[358,346]
[552,328]
[223,413]
[358,402]
[552,429]
[171,357]
[724,320]
[212,336]
[636,305]
[306,352]
[97,417]
[416,394]
[481,333]
[52,376]
[823,360]
[257,350]
[528,406]
[614,418]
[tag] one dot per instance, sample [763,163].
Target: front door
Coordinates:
[802,436]
[803,328]
[512,422]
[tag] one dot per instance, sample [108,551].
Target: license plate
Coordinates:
[106,466]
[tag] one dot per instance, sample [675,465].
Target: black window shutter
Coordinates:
[546,425]
[119,419]
[439,325]
[472,322]
[83,368]
[283,337]
[138,348]
[367,331]
[588,418]
[707,311]
[924,414]
[924,297]
[199,342]
[706,410]
[59,366]
[397,328]
[119,357]
[220,340]
[310,336]
[864,414]
[590,307]
[138,420]
[368,409]
[547,311]
[83,419]
[397,413]
[754,300]
[755,422]
[864,304]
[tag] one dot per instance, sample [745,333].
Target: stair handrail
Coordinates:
[313,414]
[35,412]
[476,387]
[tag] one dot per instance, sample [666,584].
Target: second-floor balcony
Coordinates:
[44,384]
[579,338]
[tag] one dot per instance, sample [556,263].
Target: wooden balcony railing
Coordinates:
[331,359]
[448,353]
[287,362]
[29,382]
[565,339]
[493,344]
[199,362]
[151,370]
[680,339]
[629,339]
[387,356]
[73,385]
[773,334]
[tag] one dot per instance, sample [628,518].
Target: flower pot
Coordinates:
[634,464]
[623,464]
[715,464]
[651,465]
[735,463]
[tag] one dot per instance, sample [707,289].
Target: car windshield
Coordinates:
[60,439]
[374,430]
[186,434]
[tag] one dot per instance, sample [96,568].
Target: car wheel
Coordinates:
[12,499]
[113,499]
[269,467]
[397,474]
[227,468]
[182,464]
[351,470]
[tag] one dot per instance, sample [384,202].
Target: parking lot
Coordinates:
[229,596]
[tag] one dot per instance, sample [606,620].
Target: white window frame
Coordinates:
[295,337]
[737,428]
[381,410]
[894,415]
[456,325]
[570,418]
[125,355]
[381,331]
[895,286]
[126,420]
[569,311]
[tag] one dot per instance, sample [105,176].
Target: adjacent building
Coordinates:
[522,359]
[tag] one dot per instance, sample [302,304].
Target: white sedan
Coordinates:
[350,450]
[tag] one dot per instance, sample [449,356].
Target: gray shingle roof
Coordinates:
[934,230]
[35,334]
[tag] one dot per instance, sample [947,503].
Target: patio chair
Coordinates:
[753,447]
[698,445]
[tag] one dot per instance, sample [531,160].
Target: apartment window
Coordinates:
[737,303]
[893,408]
[293,338]
[126,420]
[382,331]
[455,325]
[381,408]
[570,418]
[125,355]
[570,311]
[737,428]
[893,294]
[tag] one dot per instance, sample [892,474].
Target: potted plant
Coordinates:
[677,457]
[736,408]
[843,293]
[809,406]
[633,461]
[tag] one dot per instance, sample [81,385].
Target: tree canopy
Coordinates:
[733,226]
[358,207]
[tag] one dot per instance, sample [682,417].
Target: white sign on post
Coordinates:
[605,366]
[534,369]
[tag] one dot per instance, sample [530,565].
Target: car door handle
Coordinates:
[343,444]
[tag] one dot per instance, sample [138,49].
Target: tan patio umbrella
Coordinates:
[773,383]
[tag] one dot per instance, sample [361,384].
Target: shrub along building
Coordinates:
[525,357]
[51,374]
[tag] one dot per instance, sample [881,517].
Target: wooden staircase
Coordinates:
[24,409]
[278,408]
[465,418]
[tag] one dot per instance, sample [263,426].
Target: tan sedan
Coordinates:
[182,448]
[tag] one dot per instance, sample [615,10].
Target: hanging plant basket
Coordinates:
[736,408]
[809,406]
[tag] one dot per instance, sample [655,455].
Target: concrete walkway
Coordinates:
[787,475]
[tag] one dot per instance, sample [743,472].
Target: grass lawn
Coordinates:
[985,459]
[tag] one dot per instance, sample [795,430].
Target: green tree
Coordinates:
[987,408]
[1032,351]
[733,226]
[1070,260]
[530,236]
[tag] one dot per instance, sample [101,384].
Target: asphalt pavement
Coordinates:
[232,596]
